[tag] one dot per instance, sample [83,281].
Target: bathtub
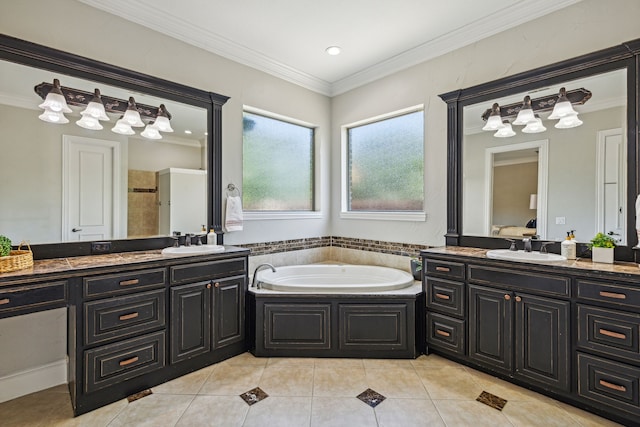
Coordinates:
[332,278]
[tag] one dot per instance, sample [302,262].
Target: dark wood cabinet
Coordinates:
[228,311]
[190,320]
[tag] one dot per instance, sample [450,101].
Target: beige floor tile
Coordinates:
[282,380]
[408,413]
[229,380]
[387,363]
[586,419]
[214,411]
[341,382]
[396,382]
[434,361]
[463,413]
[36,409]
[449,383]
[155,410]
[186,384]
[280,412]
[329,362]
[291,361]
[337,412]
[536,413]
[246,359]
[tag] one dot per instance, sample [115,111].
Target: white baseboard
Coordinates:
[32,380]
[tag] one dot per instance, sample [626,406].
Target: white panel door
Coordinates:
[89,189]
[611,190]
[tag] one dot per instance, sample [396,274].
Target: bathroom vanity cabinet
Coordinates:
[567,330]
[137,320]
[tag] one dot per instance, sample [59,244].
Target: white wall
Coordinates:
[579,29]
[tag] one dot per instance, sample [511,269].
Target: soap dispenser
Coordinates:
[568,248]
[211,237]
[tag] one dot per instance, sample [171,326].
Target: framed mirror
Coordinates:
[66,183]
[545,181]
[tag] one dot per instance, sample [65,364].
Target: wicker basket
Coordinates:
[17,260]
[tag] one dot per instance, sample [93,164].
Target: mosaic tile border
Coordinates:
[393,248]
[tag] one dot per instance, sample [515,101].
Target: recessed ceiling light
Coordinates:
[188,132]
[333,50]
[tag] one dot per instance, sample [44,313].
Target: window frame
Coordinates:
[291,214]
[345,213]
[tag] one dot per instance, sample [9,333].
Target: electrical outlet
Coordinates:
[100,247]
[560,220]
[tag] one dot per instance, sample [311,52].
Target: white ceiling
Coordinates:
[288,38]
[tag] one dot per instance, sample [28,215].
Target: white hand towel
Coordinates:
[234,217]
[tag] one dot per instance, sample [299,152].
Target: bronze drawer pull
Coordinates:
[518,298]
[612,295]
[445,269]
[129,282]
[4,301]
[507,297]
[129,316]
[612,334]
[443,333]
[217,285]
[615,387]
[443,296]
[134,359]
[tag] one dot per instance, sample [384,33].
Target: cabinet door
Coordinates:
[490,320]
[228,311]
[190,320]
[542,340]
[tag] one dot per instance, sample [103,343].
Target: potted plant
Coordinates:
[416,268]
[5,246]
[602,248]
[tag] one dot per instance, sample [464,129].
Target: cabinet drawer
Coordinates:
[111,364]
[446,269]
[609,383]
[207,270]
[33,296]
[123,316]
[446,333]
[526,280]
[445,296]
[613,293]
[114,284]
[609,331]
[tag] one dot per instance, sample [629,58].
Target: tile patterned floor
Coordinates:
[429,391]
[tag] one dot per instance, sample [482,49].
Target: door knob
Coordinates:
[75,230]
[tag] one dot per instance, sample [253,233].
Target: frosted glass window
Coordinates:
[277,160]
[386,164]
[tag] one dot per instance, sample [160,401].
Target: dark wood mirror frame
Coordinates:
[39,56]
[626,55]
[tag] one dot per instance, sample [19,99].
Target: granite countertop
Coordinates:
[579,264]
[80,263]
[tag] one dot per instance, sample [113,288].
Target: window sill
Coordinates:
[258,216]
[385,216]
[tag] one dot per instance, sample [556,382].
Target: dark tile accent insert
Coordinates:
[492,400]
[371,397]
[253,396]
[139,395]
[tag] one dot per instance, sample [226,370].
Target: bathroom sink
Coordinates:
[192,250]
[523,256]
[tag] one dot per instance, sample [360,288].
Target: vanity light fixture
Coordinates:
[89,122]
[55,117]
[54,100]
[151,132]
[162,120]
[525,115]
[123,128]
[95,108]
[506,131]
[568,122]
[562,106]
[132,116]
[534,126]
[494,122]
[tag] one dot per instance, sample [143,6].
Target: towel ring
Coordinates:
[232,190]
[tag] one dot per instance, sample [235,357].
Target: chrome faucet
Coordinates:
[254,282]
[187,239]
[543,247]
[527,244]
[513,246]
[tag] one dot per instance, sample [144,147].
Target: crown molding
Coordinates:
[146,15]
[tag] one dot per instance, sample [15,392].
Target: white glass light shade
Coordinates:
[151,132]
[563,107]
[89,122]
[162,124]
[568,122]
[525,115]
[494,122]
[95,108]
[534,126]
[56,117]
[54,100]
[132,118]
[506,131]
[123,128]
